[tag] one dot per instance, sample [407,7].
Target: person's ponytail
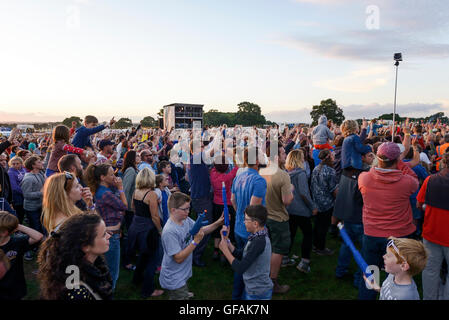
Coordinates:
[89,177]
[48,263]
[93,175]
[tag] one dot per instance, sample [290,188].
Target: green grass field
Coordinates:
[214,282]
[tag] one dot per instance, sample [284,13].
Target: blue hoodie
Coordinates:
[81,138]
[352,151]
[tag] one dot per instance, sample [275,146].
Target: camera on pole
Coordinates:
[397,57]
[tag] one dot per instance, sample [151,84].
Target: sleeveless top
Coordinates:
[142,209]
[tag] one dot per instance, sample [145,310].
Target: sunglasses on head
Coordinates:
[68,176]
[391,244]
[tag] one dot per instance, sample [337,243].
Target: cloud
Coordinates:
[367,45]
[362,80]
[39,117]
[373,110]
[414,27]
[324,1]
[358,111]
[305,24]
[288,116]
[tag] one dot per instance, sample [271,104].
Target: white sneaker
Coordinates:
[303,266]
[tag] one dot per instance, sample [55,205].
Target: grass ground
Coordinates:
[214,282]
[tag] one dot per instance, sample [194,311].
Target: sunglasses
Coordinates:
[68,176]
[391,244]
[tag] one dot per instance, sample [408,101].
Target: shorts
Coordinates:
[279,236]
[179,294]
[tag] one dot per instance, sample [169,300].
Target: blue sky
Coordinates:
[129,58]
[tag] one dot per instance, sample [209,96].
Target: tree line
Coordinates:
[247,114]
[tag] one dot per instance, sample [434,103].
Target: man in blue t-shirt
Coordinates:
[200,193]
[248,188]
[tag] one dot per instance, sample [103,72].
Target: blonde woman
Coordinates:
[145,232]
[61,192]
[302,208]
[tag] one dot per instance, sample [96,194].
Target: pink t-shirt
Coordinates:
[216,179]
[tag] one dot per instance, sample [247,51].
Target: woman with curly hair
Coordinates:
[81,241]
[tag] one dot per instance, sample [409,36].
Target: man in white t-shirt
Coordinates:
[106,152]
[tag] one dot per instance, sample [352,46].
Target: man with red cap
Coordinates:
[386,191]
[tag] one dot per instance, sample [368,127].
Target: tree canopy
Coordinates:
[123,123]
[248,114]
[328,108]
[149,122]
[68,121]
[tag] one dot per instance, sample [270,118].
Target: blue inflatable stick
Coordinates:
[357,256]
[225,207]
[199,223]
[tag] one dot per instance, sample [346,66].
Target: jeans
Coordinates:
[129,252]
[20,212]
[5,206]
[355,233]
[431,280]
[146,267]
[34,218]
[238,288]
[113,258]
[305,223]
[199,205]
[264,296]
[322,224]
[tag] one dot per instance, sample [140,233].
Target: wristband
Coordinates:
[121,191]
[194,243]
[228,241]
[92,207]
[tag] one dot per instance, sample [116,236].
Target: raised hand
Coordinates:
[87,196]
[14,133]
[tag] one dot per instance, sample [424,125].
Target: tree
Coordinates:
[328,108]
[68,121]
[123,123]
[389,116]
[149,122]
[249,114]
[160,114]
[215,118]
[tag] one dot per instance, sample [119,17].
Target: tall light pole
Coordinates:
[397,57]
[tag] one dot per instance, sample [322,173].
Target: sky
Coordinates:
[62,58]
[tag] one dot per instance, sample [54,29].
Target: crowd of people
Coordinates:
[98,200]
